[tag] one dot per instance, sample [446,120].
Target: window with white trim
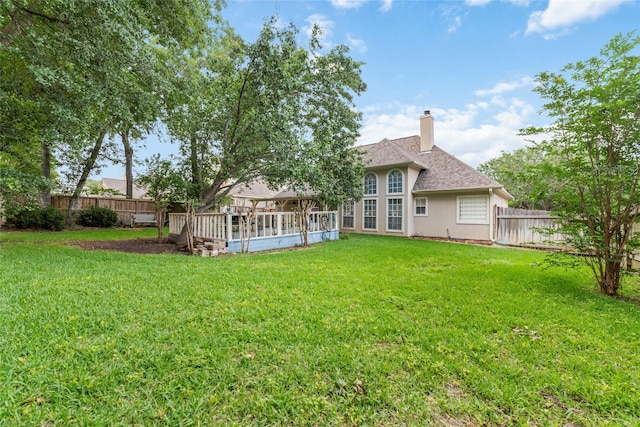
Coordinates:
[394,214]
[394,182]
[421,206]
[348,209]
[370,214]
[370,184]
[473,209]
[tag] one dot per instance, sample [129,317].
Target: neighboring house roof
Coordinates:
[439,170]
[294,195]
[258,190]
[253,190]
[120,185]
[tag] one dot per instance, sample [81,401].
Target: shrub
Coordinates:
[34,217]
[52,219]
[25,217]
[96,216]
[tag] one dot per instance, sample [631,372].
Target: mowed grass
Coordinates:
[362,331]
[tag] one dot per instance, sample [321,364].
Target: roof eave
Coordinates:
[412,165]
[498,189]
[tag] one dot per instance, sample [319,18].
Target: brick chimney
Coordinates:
[426,131]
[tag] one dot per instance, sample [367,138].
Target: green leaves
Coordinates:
[18,188]
[82,67]
[269,110]
[595,144]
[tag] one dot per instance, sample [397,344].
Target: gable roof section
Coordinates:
[440,171]
[387,153]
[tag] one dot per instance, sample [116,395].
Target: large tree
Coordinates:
[522,172]
[74,71]
[595,136]
[278,112]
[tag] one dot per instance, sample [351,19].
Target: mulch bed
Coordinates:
[135,246]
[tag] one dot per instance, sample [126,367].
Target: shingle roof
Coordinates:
[440,171]
[120,185]
[260,190]
[387,153]
[254,189]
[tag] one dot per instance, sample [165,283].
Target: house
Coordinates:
[414,188]
[119,187]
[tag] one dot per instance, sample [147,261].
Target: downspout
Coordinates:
[491,216]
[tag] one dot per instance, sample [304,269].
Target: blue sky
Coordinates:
[471,62]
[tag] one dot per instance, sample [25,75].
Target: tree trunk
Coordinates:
[210,198]
[196,174]
[44,198]
[190,216]
[128,162]
[74,201]
[304,212]
[610,280]
[161,214]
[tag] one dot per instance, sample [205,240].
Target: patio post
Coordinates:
[279,223]
[229,227]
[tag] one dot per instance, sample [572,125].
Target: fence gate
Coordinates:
[517,227]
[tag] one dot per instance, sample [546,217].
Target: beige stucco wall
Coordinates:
[441,220]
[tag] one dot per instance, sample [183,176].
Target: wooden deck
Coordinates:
[268,230]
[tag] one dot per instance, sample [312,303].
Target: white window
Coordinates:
[370,213]
[394,214]
[473,209]
[394,182]
[370,184]
[421,206]
[348,214]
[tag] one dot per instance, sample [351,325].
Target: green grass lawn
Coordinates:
[362,331]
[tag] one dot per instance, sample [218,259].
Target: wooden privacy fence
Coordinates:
[125,208]
[518,227]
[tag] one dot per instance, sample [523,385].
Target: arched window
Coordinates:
[394,182]
[370,184]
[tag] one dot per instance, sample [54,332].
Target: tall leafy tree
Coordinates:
[191,104]
[275,111]
[595,105]
[522,172]
[164,184]
[284,113]
[85,69]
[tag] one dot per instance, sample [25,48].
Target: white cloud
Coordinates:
[503,87]
[477,2]
[453,26]
[378,124]
[326,28]
[485,2]
[474,134]
[356,44]
[449,13]
[347,4]
[386,5]
[354,4]
[561,14]
[523,3]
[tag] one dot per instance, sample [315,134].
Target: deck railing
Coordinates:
[220,226]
